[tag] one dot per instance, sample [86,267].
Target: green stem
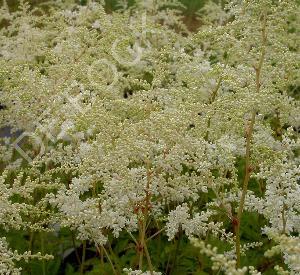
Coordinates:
[245,188]
[155,234]
[83,258]
[43,252]
[142,248]
[148,198]
[249,135]
[283,218]
[212,99]
[108,258]
[74,246]
[31,241]
[176,252]
[148,258]
[114,258]
[101,256]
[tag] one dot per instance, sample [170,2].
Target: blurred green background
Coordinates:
[189,12]
[191,5]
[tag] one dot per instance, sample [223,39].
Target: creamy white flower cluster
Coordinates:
[139,272]
[221,262]
[290,247]
[128,121]
[8,258]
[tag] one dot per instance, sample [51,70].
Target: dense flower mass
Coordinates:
[137,140]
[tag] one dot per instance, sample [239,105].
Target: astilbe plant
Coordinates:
[129,125]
